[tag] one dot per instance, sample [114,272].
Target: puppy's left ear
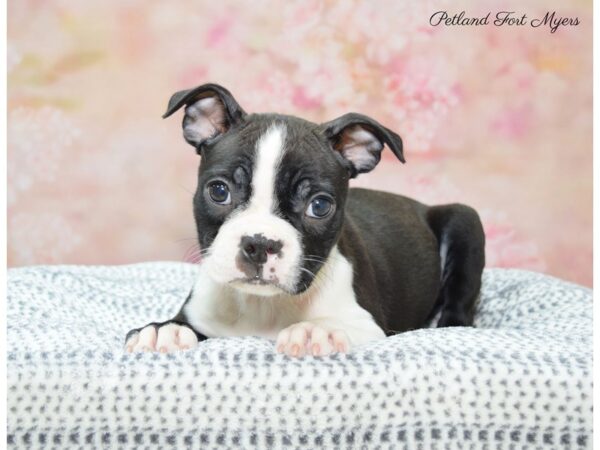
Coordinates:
[360,140]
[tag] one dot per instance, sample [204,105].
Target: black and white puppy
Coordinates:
[292,254]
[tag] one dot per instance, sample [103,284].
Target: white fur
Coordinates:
[443,252]
[330,304]
[269,152]
[258,217]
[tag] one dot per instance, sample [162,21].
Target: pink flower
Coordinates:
[218,32]
[303,101]
[512,123]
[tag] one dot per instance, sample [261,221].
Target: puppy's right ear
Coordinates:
[210,110]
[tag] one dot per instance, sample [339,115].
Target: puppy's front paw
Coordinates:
[164,338]
[306,338]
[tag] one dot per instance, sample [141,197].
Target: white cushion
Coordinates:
[521,378]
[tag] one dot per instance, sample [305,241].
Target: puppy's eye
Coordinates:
[219,193]
[319,207]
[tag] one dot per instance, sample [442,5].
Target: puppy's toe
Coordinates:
[320,344]
[296,345]
[132,341]
[167,339]
[145,342]
[293,340]
[339,341]
[187,338]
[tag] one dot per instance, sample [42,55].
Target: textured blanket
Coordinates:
[521,379]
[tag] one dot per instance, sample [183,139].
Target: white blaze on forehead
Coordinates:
[259,218]
[269,151]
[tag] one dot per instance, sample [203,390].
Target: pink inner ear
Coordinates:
[204,119]
[360,147]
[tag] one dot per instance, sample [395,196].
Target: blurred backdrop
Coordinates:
[496,117]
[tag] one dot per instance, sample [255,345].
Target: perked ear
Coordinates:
[210,110]
[360,140]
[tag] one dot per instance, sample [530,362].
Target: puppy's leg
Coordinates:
[172,335]
[462,251]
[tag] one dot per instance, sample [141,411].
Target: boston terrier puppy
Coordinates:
[290,253]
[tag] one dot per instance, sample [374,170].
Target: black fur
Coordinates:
[394,243]
[459,228]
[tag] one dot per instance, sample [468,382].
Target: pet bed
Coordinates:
[521,379]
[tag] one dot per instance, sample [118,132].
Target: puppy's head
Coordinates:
[269,205]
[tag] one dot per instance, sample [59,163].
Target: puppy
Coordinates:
[292,254]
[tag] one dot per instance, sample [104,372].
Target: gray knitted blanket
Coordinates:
[521,379]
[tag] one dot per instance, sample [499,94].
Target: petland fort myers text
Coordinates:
[551,20]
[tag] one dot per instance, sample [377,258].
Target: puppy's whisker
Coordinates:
[316,257]
[201,252]
[197,248]
[321,269]
[195,253]
[324,260]
[314,260]
[186,189]
[186,239]
[309,272]
[318,279]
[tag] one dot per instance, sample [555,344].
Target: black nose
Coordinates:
[257,248]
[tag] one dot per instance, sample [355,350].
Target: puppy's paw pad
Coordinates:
[305,338]
[166,338]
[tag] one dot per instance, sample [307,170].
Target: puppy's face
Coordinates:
[269,204]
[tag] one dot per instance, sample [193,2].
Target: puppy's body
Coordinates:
[388,238]
[293,254]
[414,259]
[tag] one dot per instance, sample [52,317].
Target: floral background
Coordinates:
[496,117]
